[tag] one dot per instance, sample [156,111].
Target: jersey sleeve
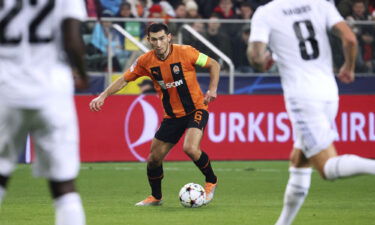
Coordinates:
[202,60]
[260,29]
[333,16]
[74,9]
[135,71]
[196,58]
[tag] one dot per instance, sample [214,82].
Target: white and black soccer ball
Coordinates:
[192,195]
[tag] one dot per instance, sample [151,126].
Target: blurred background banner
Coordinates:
[243,84]
[241,127]
[248,121]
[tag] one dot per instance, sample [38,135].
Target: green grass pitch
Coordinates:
[249,192]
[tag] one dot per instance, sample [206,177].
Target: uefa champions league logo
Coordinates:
[150,125]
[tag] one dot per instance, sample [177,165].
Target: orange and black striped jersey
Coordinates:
[174,78]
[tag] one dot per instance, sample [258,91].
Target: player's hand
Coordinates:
[209,97]
[97,103]
[346,75]
[269,61]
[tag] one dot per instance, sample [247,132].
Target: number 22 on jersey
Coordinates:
[9,12]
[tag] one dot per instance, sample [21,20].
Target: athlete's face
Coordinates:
[160,42]
[359,9]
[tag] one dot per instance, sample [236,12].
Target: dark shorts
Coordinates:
[171,130]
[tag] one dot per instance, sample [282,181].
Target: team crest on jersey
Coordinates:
[176,69]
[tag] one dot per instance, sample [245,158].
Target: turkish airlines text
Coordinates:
[275,127]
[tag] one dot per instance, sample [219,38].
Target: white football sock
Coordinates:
[295,194]
[69,210]
[2,193]
[348,165]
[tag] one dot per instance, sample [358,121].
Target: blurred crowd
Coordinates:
[230,38]
[360,12]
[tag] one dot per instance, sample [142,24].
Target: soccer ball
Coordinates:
[192,195]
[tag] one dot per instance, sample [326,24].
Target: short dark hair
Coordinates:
[156,27]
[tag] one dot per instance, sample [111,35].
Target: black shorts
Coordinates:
[171,130]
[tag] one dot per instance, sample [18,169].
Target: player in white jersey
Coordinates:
[296,32]
[40,46]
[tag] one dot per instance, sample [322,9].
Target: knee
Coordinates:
[323,175]
[298,159]
[154,160]
[329,170]
[327,167]
[190,150]
[61,188]
[324,168]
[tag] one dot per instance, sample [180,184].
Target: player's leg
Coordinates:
[56,145]
[191,147]
[67,203]
[155,174]
[13,133]
[297,187]
[331,166]
[196,124]
[166,137]
[195,127]
[323,154]
[3,186]
[300,112]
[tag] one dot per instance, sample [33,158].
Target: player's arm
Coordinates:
[258,56]
[350,46]
[214,69]
[97,103]
[74,48]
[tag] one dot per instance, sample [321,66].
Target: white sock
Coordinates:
[69,210]
[2,193]
[348,165]
[295,194]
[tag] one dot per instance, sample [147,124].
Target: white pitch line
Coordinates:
[188,169]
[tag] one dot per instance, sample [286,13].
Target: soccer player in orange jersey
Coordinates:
[172,70]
